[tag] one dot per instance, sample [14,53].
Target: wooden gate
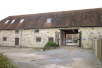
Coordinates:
[16,41]
[57,37]
[79,39]
[99,50]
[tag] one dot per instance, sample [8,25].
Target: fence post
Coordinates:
[101,51]
[95,46]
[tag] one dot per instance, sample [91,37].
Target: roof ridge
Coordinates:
[74,18]
[56,12]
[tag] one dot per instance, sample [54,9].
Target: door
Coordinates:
[79,39]
[16,41]
[57,37]
[101,51]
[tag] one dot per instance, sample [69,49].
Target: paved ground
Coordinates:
[63,57]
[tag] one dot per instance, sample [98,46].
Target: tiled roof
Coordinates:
[75,18]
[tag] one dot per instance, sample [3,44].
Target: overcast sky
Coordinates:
[20,7]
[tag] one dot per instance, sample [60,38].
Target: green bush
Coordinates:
[50,44]
[5,62]
[75,41]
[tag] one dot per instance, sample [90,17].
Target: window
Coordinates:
[13,21]
[36,31]
[38,39]
[16,31]
[4,38]
[50,39]
[49,20]
[21,20]
[6,21]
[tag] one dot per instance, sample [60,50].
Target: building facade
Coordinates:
[36,29]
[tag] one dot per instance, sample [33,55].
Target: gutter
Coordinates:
[51,27]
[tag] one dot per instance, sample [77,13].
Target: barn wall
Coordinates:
[28,37]
[10,34]
[88,34]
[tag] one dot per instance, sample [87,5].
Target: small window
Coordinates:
[38,39]
[36,31]
[7,21]
[4,38]
[50,38]
[22,20]
[49,20]
[17,31]
[13,21]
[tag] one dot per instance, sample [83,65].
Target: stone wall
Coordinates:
[27,38]
[90,33]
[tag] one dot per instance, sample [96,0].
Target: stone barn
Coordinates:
[76,27]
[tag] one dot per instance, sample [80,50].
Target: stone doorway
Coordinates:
[70,37]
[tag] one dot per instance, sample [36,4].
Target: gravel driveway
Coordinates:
[62,57]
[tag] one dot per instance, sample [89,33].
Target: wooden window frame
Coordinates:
[50,39]
[4,38]
[16,31]
[38,39]
[36,31]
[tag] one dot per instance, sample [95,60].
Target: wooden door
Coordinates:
[101,51]
[79,39]
[16,41]
[57,37]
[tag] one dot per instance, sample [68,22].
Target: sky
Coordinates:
[22,7]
